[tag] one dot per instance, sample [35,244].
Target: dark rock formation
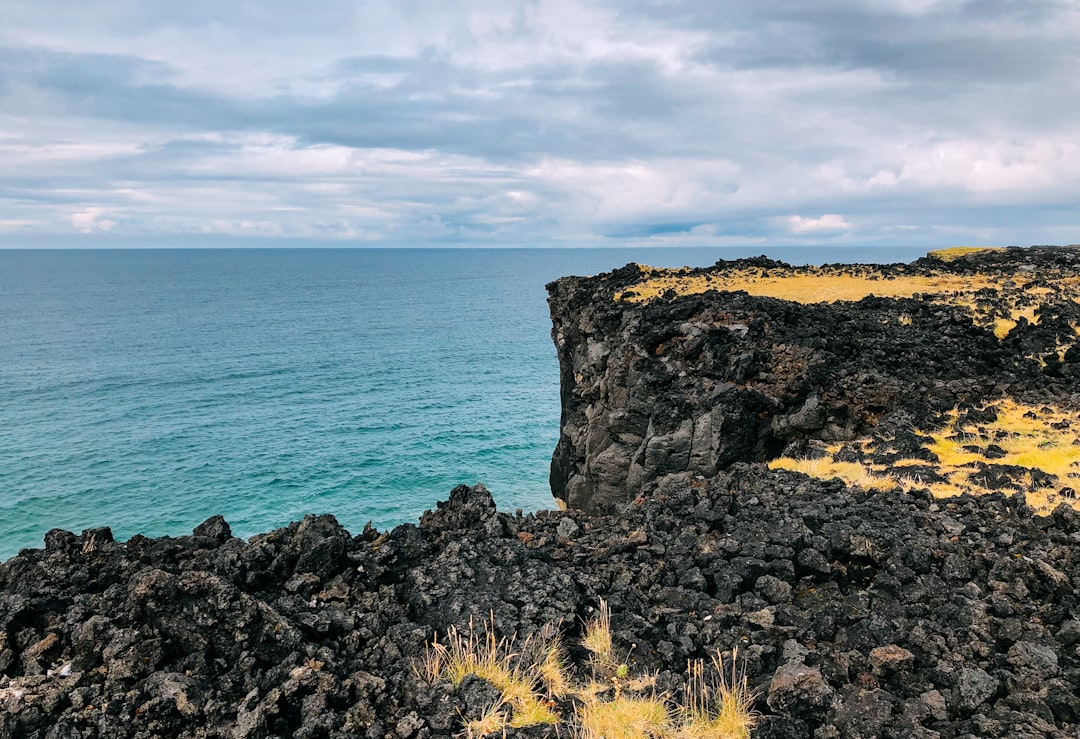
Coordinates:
[662,392]
[855,614]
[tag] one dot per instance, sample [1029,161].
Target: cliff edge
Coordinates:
[870,609]
[670,376]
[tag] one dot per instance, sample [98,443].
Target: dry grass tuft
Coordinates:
[1041,440]
[493,721]
[615,706]
[493,660]
[552,670]
[721,708]
[597,639]
[624,717]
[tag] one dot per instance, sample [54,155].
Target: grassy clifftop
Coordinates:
[997,300]
[957,373]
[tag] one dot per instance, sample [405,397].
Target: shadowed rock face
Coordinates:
[658,393]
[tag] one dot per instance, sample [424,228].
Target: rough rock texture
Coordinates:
[855,614]
[659,393]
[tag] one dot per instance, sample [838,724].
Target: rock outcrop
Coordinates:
[671,375]
[855,614]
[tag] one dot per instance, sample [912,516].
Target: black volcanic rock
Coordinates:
[854,613]
[685,385]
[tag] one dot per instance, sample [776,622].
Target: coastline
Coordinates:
[853,611]
[857,613]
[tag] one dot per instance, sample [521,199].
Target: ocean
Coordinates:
[147,390]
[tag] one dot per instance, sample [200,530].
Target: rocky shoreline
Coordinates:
[855,612]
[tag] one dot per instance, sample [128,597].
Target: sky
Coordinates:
[539,122]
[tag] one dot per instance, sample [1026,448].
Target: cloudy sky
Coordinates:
[539,122]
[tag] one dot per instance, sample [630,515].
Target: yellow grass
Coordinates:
[617,706]
[824,468]
[552,670]
[803,285]
[1025,434]
[624,717]
[494,661]
[597,638]
[493,721]
[717,709]
[1023,293]
[955,252]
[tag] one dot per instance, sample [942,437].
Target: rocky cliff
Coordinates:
[673,375]
[869,609]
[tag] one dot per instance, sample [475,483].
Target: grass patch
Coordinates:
[801,284]
[717,707]
[1029,449]
[494,661]
[613,704]
[623,717]
[597,640]
[493,721]
[1016,296]
[955,252]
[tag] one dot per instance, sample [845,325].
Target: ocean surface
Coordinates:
[147,390]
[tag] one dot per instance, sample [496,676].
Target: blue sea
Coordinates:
[147,390]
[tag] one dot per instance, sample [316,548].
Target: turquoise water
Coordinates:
[147,390]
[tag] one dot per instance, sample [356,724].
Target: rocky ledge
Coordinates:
[672,375]
[853,610]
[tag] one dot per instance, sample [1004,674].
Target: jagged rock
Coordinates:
[855,612]
[890,658]
[689,383]
[974,686]
[282,638]
[215,529]
[796,688]
[1040,659]
[861,713]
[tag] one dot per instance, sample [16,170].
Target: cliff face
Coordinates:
[672,375]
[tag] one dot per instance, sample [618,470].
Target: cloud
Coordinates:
[570,122]
[91,220]
[830,223]
[992,167]
[15,225]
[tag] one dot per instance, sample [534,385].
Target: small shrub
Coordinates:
[613,705]
[597,639]
[720,708]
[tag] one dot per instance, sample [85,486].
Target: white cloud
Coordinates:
[16,225]
[540,121]
[920,7]
[243,228]
[988,167]
[830,223]
[660,188]
[90,220]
